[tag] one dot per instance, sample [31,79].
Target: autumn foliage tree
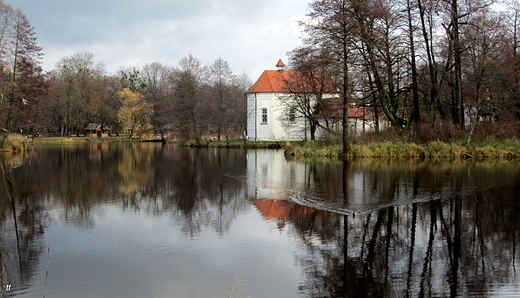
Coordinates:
[134,113]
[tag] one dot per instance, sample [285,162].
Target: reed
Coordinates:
[15,143]
[406,150]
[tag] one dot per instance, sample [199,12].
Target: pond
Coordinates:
[146,220]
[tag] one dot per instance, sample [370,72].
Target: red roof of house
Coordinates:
[359,112]
[333,107]
[271,81]
[274,81]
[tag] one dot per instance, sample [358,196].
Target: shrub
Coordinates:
[15,143]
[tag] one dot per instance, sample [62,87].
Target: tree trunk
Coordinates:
[416,114]
[432,69]
[457,58]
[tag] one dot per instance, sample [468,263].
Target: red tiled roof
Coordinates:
[333,107]
[271,81]
[274,81]
[357,112]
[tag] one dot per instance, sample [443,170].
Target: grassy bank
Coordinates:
[82,140]
[18,143]
[15,143]
[509,149]
[241,144]
[403,150]
[390,150]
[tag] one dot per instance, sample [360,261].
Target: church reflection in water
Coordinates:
[367,228]
[383,229]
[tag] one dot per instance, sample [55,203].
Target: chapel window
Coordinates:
[264,116]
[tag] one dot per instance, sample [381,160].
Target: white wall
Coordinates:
[251,116]
[264,131]
[276,128]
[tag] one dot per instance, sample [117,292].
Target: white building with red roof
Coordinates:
[269,119]
[264,108]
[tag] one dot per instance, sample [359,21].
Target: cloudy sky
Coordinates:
[250,34]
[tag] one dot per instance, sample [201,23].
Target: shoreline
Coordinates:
[503,150]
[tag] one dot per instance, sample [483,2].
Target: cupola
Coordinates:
[280,65]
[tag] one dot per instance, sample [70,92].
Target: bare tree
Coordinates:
[20,59]
[221,78]
[78,91]
[310,90]
[457,15]
[192,108]
[238,114]
[130,78]
[427,14]
[381,44]
[330,28]
[484,38]
[416,115]
[157,92]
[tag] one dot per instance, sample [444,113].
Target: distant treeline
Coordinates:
[450,68]
[189,101]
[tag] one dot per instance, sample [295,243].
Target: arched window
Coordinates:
[292,115]
[264,115]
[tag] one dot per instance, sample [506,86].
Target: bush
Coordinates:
[15,143]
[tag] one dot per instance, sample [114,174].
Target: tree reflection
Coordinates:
[367,228]
[197,190]
[400,229]
[22,227]
[461,244]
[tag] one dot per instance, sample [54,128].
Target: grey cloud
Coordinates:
[136,31]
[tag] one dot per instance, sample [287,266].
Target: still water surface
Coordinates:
[145,220]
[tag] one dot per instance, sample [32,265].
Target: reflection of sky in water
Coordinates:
[372,184]
[127,254]
[193,220]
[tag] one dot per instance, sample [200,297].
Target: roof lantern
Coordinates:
[280,65]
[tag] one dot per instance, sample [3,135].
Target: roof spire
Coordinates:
[280,65]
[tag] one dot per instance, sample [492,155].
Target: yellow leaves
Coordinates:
[6,70]
[135,112]
[135,169]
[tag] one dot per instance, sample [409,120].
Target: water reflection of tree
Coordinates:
[22,225]
[205,190]
[434,241]
[196,190]
[460,245]
[135,168]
